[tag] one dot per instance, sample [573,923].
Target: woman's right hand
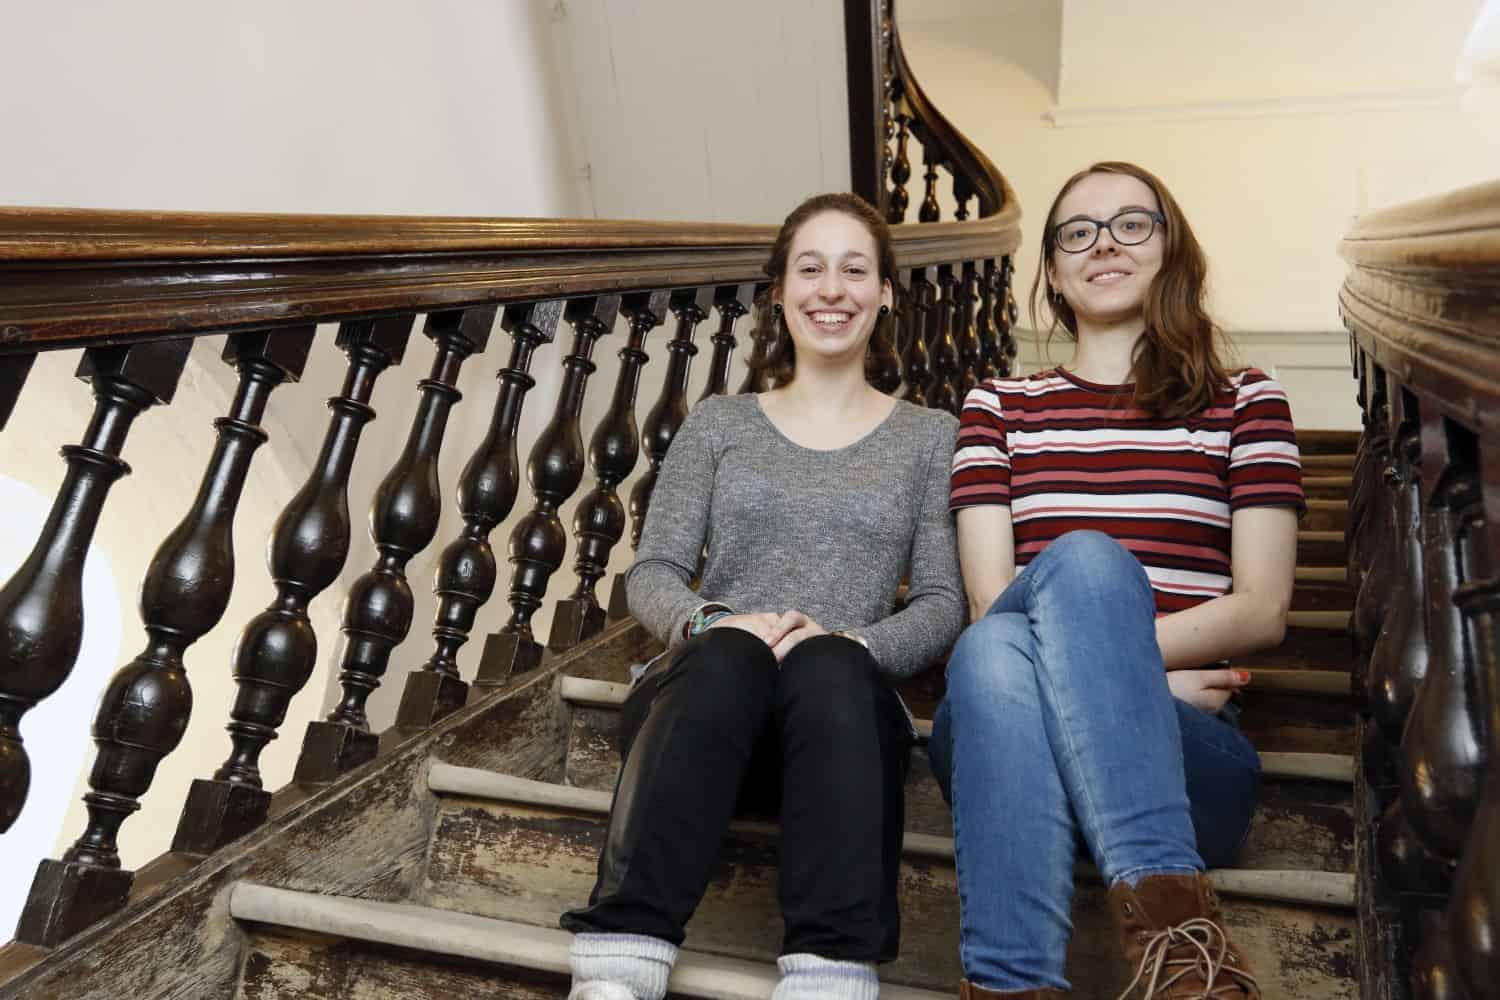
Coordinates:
[1207,690]
[767,626]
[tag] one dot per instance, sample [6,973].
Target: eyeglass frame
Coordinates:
[1157,219]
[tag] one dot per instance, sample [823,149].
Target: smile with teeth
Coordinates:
[1108,277]
[828,319]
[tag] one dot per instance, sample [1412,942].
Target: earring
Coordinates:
[776,310]
[885,310]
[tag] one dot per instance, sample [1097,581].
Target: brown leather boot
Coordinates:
[1172,934]
[968,991]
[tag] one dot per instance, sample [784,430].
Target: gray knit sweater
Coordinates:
[829,533]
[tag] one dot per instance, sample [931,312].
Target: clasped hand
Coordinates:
[1206,689]
[781,632]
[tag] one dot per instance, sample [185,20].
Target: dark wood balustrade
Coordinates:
[133,289]
[1422,303]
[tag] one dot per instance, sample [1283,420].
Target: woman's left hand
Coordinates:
[798,627]
[1207,690]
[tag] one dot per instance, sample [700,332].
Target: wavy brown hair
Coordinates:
[779,361]
[1177,367]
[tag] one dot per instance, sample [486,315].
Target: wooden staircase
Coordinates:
[441,868]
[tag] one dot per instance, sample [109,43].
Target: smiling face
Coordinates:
[1106,285]
[832,291]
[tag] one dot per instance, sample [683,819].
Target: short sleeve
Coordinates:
[1265,467]
[981,457]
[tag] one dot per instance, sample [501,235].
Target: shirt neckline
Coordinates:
[868,435]
[1084,383]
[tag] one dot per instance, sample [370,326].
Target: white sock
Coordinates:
[620,967]
[811,977]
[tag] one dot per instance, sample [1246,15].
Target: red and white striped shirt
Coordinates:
[1066,454]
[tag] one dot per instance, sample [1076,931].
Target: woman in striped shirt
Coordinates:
[1122,521]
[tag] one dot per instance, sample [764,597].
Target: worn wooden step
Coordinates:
[1316,441]
[317,946]
[1337,463]
[1320,548]
[525,851]
[1324,514]
[1332,487]
[1298,824]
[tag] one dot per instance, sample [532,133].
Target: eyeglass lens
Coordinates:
[1127,229]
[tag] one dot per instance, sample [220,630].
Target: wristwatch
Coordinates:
[705,615]
[848,634]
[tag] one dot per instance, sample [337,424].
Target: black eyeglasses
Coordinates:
[1126,228]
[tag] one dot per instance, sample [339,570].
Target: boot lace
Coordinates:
[1196,948]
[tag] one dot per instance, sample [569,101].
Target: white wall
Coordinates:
[711,110]
[1273,126]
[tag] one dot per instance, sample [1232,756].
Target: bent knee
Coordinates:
[991,653]
[831,664]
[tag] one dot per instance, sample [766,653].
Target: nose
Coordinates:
[831,285]
[1105,241]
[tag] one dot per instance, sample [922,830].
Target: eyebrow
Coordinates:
[1122,208]
[847,255]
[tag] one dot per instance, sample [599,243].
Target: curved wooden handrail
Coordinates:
[1423,298]
[964,159]
[71,277]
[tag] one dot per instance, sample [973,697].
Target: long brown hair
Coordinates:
[780,359]
[1177,367]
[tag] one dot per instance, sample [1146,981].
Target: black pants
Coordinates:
[717,724]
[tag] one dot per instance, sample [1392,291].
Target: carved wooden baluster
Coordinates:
[144,710]
[930,211]
[278,648]
[670,410]
[13,371]
[1442,747]
[599,521]
[942,394]
[962,192]
[1374,561]
[465,576]
[1399,659]
[918,305]
[882,360]
[1005,319]
[555,468]
[732,301]
[900,172]
[1398,665]
[756,379]
[404,516]
[984,323]
[1473,917]
[41,607]
[966,335]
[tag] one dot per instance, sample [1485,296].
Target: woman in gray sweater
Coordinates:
[808,504]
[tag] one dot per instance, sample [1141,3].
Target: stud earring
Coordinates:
[885,310]
[776,310]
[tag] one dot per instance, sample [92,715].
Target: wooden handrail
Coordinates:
[1423,298]
[72,277]
[965,159]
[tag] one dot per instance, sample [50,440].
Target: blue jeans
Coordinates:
[1058,726]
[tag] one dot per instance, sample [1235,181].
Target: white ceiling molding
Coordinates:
[1432,99]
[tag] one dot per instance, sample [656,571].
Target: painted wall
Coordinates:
[1274,125]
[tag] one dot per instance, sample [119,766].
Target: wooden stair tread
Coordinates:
[490,940]
[1320,888]
[611,694]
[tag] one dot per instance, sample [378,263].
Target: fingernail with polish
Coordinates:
[1244,676]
